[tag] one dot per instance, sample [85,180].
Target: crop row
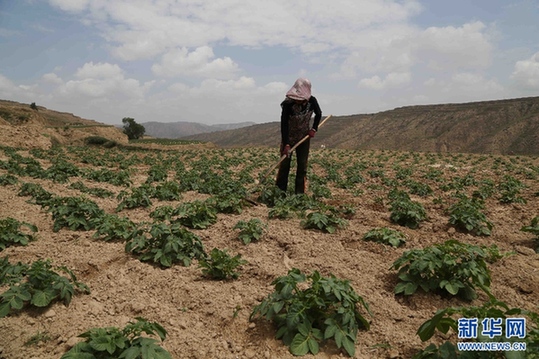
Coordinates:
[405,182]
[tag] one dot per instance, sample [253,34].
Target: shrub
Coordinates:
[219,265]
[452,267]
[111,342]
[386,236]
[326,309]
[95,140]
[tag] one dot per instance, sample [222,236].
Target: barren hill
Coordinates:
[497,127]
[183,128]
[38,127]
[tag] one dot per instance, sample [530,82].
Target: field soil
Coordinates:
[210,319]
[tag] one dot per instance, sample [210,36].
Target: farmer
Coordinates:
[297,110]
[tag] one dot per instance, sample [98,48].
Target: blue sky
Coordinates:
[232,61]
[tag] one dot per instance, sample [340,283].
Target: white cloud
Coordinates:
[526,73]
[463,87]
[391,80]
[70,5]
[464,47]
[102,80]
[199,63]
[52,78]
[6,86]
[141,29]
[99,70]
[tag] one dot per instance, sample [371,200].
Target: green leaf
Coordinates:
[349,346]
[330,331]
[299,345]
[4,309]
[42,298]
[452,288]
[410,288]
[130,353]
[339,336]
[313,345]
[103,344]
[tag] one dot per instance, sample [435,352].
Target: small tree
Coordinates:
[132,129]
[33,106]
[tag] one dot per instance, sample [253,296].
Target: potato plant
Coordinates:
[38,285]
[111,227]
[453,268]
[38,194]
[167,191]
[118,178]
[219,265]
[196,214]
[251,231]
[326,221]
[385,236]
[11,234]
[167,245]
[7,179]
[404,211]
[308,310]
[112,342]
[75,213]
[98,192]
[533,228]
[466,216]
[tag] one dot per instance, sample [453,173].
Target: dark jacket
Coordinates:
[296,117]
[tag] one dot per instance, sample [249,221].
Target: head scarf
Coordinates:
[300,91]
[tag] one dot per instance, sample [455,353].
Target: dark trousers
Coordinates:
[302,155]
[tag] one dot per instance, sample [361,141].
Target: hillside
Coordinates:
[23,126]
[497,127]
[182,128]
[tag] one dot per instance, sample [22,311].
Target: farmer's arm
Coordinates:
[317,112]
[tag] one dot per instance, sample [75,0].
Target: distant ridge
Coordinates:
[508,126]
[182,129]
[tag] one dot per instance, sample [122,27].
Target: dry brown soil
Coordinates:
[210,319]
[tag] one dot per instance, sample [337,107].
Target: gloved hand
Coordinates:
[286,151]
[312,132]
